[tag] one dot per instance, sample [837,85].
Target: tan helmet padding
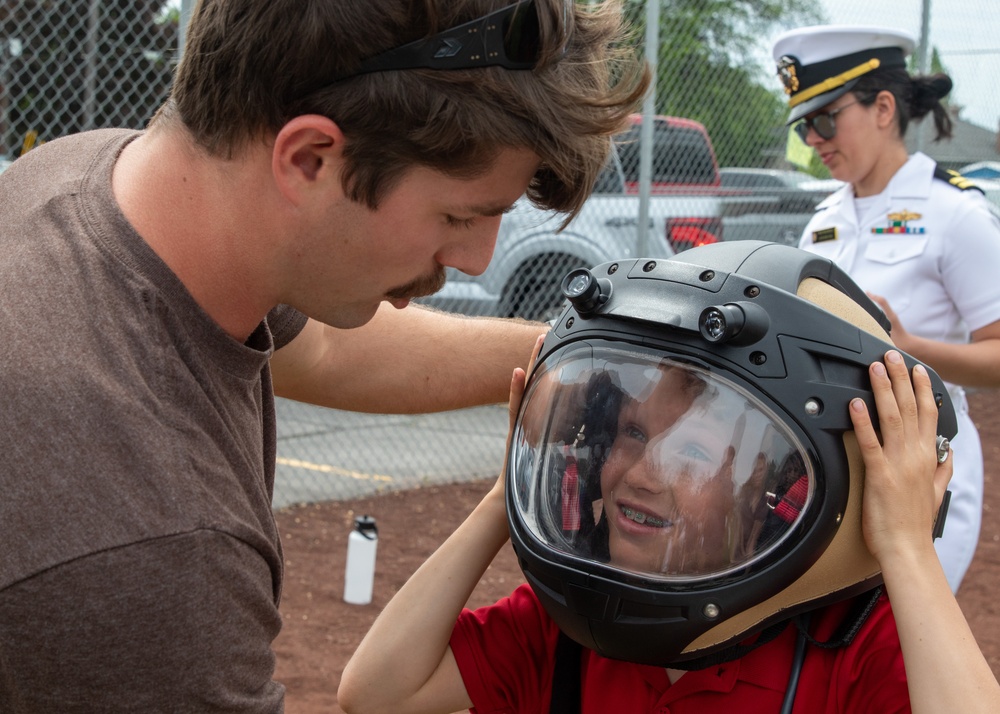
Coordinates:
[846,561]
[832,300]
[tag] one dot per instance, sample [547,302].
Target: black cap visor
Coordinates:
[818,102]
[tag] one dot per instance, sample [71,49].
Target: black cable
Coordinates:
[797,660]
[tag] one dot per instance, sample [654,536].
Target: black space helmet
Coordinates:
[683,472]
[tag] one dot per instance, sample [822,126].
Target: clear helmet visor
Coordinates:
[652,466]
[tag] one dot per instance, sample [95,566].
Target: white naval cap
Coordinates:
[820,63]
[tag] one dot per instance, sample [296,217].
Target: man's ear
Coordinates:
[306,155]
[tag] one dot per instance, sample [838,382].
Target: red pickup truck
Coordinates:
[683,164]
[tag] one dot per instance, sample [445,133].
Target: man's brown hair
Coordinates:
[250,66]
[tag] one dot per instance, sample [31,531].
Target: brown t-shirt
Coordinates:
[140,566]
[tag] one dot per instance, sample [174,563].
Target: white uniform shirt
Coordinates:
[940,272]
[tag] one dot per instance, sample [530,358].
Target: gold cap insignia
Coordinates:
[788,74]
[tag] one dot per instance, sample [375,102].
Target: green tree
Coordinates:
[711,69]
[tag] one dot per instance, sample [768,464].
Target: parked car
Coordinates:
[986,175]
[532,255]
[779,191]
[683,163]
[981,170]
[770,204]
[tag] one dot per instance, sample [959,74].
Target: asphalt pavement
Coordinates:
[326,454]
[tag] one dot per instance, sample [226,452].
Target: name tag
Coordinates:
[825,235]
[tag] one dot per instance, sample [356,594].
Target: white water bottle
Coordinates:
[359,576]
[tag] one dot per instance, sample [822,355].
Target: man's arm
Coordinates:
[405,361]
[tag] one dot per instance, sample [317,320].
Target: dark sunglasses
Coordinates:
[822,123]
[509,38]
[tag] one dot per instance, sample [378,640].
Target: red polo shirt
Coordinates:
[505,653]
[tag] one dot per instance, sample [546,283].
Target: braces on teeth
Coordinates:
[642,518]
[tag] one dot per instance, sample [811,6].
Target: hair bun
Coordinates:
[926,95]
[939,85]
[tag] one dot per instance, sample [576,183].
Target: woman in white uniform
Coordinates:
[923,242]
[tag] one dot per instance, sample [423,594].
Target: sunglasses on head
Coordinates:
[509,37]
[823,124]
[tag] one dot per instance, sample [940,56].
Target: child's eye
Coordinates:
[457,222]
[633,432]
[694,452]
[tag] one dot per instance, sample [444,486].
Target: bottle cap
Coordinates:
[365,525]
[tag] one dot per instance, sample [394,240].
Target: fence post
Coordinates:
[646,129]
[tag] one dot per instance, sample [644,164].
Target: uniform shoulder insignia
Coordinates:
[956,179]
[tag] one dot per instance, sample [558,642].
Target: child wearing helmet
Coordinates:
[673,466]
[674,511]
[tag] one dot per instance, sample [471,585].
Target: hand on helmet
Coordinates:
[904,482]
[517,383]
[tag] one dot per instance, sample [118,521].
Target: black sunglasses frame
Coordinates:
[822,123]
[508,37]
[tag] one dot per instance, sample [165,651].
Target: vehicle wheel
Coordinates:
[533,291]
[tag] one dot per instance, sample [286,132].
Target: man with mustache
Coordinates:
[318,164]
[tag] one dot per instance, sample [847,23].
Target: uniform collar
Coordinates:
[837,197]
[913,180]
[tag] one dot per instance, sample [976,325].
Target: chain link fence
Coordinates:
[711,163]
[74,65]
